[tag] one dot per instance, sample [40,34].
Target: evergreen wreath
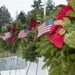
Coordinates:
[59,58]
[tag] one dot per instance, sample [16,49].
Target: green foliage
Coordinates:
[72,4]
[71,14]
[66,22]
[50,6]
[29,52]
[39,15]
[15,44]
[60,61]
[69,39]
[22,17]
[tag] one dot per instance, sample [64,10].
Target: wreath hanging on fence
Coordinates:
[57,47]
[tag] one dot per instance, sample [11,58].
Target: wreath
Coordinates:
[57,47]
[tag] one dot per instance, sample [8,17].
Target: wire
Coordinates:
[0,72]
[10,69]
[47,69]
[37,67]
[28,68]
[12,61]
[18,65]
[3,62]
[25,64]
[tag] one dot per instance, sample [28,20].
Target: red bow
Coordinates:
[32,24]
[63,11]
[13,35]
[54,36]
[14,27]
[9,29]
[11,39]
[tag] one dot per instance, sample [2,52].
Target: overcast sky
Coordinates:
[15,6]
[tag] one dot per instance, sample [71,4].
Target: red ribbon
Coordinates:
[32,24]
[55,37]
[11,39]
[9,29]
[63,11]
[14,27]
[13,35]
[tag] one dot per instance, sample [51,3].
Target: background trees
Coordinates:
[5,16]
[22,17]
[37,4]
[50,6]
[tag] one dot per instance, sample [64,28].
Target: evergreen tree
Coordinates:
[5,16]
[22,17]
[50,6]
[37,4]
